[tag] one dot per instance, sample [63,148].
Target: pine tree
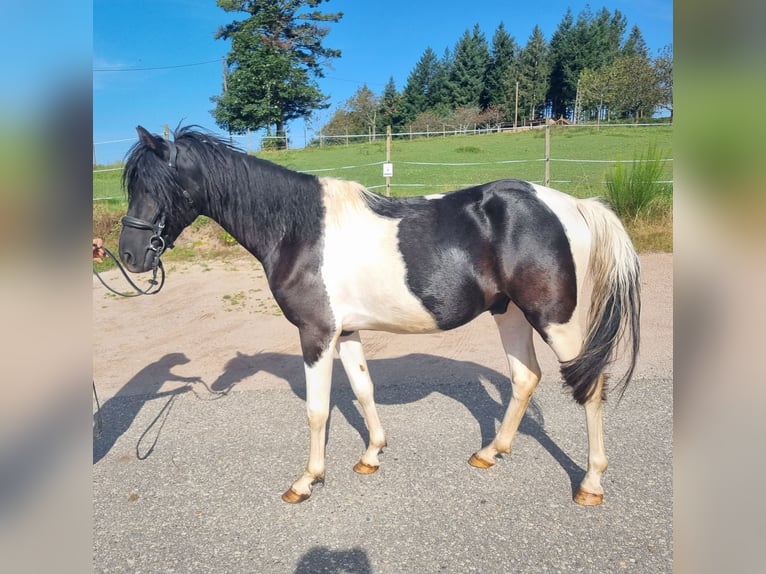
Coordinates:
[635,44]
[561,50]
[418,92]
[502,73]
[390,106]
[469,67]
[590,42]
[440,95]
[534,76]
[275,54]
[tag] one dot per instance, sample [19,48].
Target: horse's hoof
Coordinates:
[584,498]
[477,462]
[293,497]
[364,468]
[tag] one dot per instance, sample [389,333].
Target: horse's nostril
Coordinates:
[127,257]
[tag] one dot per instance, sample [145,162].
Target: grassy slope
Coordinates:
[483,153]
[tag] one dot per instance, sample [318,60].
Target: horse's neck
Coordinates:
[261,217]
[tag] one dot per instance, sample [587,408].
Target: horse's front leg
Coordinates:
[351,355]
[318,381]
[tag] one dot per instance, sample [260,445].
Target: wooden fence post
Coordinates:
[388,159]
[547,179]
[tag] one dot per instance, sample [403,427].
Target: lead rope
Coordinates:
[98,424]
[154,284]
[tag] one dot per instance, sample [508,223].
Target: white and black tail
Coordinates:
[613,317]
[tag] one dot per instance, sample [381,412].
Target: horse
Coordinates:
[341,259]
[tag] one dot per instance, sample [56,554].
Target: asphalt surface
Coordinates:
[193,484]
[188,480]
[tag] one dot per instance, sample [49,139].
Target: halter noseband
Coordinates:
[156,241]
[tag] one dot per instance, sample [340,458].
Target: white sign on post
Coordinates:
[388,169]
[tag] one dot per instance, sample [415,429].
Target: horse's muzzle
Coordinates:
[146,256]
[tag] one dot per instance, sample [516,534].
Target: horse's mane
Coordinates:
[251,193]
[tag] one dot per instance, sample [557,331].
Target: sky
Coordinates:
[156,62]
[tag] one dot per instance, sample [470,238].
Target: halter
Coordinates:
[156,241]
[156,244]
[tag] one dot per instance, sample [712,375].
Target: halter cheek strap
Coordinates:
[173,153]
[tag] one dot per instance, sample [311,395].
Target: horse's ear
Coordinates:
[153,142]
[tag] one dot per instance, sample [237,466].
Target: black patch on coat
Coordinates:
[476,249]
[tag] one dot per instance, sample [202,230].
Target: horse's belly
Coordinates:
[389,316]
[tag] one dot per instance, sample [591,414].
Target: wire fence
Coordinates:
[546,160]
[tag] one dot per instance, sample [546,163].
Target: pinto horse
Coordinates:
[340,259]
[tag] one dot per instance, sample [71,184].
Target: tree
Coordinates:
[663,70]
[635,44]
[596,88]
[390,105]
[636,92]
[276,52]
[534,75]
[560,53]
[440,96]
[364,105]
[418,93]
[590,42]
[502,73]
[469,67]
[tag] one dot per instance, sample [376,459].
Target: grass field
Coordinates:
[439,164]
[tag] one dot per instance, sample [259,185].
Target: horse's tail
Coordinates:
[615,305]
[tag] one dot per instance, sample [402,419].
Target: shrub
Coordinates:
[637,189]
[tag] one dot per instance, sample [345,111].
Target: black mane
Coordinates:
[257,201]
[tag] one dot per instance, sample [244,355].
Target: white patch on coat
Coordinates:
[434,196]
[567,338]
[363,269]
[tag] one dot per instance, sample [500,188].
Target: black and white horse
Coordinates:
[340,259]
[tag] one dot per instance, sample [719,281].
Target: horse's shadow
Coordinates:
[391,389]
[118,412]
[390,375]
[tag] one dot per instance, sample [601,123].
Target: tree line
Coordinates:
[592,68]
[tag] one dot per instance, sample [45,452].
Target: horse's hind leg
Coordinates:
[354,363]
[516,336]
[591,492]
[566,341]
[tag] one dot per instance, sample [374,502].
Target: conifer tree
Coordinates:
[502,73]
[534,76]
[276,52]
[416,96]
[469,67]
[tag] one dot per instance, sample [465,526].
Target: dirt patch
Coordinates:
[216,322]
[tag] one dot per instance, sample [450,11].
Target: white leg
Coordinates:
[352,356]
[566,341]
[318,381]
[591,492]
[516,335]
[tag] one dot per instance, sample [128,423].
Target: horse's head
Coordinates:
[164,194]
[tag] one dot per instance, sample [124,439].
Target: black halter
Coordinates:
[157,242]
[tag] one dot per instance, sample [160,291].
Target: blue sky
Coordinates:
[174,62]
